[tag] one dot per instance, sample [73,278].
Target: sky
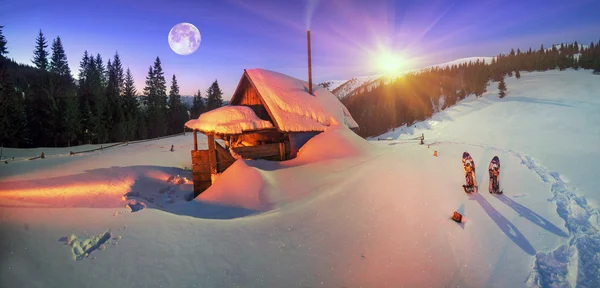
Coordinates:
[346,35]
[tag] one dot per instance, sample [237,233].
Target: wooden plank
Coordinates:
[212,153]
[225,155]
[201,177]
[195,140]
[273,147]
[250,96]
[282,151]
[260,151]
[200,155]
[201,168]
[197,159]
[235,99]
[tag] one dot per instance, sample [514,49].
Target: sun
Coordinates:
[390,63]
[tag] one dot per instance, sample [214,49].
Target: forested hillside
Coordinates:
[43,105]
[416,96]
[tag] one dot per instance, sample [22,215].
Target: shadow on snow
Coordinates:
[157,187]
[535,101]
[506,226]
[532,216]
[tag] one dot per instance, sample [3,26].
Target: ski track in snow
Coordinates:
[576,263]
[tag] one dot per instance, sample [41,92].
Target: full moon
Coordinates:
[184,38]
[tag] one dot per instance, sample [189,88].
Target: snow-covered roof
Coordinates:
[229,120]
[292,108]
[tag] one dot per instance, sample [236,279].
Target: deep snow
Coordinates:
[295,110]
[229,120]
[344,213]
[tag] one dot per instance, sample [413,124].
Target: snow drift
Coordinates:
[229,120]
[343,213]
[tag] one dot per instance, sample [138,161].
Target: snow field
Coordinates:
[346,212]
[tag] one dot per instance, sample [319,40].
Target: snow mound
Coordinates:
[293,108]
[261,185]
[239,186]
[333,143]
[229,120]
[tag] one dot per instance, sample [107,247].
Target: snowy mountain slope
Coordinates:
[347,87]
[346,212]
[546,123]
[343,88]
[332,84]
[487,60]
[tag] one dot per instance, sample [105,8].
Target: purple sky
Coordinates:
[238,34]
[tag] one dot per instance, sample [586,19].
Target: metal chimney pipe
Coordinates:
[309,65]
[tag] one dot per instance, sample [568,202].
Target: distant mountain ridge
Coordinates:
[343,88]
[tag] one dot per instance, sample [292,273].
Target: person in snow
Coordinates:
[172,148]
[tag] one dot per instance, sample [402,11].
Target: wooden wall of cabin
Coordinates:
[254,139]
[200,171]
[250,98]
[273,152]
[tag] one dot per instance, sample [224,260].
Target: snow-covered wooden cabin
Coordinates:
[270,116]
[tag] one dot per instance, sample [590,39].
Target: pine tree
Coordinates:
[176,110]
[130,106]
[502,88]
[83,68]
[58,61]
[85,114]
[517,74]
[40,55]
[116,123]
[10,110]
[42,110]
[3,42]
[142,125]
[160,88]
[96,81]
[71,119]
[101,71]
[597,64]
[119,75]
[198,106]
[13,121]
[154,113]
[214,96]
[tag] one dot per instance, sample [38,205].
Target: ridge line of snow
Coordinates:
[555,268]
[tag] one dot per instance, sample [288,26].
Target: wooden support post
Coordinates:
[212,153]
[281,151]
[195,140]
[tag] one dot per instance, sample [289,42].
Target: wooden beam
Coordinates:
[195,140]
[309,64]
[281,151]
[212,153]
[224,153]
